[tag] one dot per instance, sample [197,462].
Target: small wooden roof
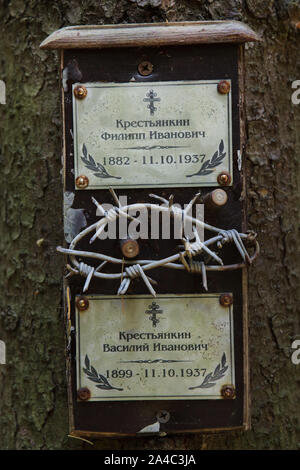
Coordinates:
[149,34]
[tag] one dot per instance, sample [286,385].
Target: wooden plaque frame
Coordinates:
[179,51]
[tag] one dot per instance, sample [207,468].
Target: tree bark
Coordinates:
[33,397]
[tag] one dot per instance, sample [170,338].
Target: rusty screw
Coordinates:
[82,303]
[224,178]
[226,300]
[82,182]
[224,87]
[163,416]
[83,394]
[145,68]
[130,248]
[80,92]
[228,392]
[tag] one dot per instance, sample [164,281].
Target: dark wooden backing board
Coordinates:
[171,63]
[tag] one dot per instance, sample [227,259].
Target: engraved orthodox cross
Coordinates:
[151,100]
[153,311]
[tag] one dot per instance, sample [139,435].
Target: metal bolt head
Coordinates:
[163,416]
[130,248]
[83,394]
[80,92]
[82,303]
[228,392]
[226,300]
[224,178]
[145,68]
[219,197]
[82,182]
[224,87]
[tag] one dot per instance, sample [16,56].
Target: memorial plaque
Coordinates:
[142,350]
[156,326]
[152,134]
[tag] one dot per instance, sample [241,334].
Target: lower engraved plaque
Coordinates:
[172,347]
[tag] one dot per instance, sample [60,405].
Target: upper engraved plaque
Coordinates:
[154,134]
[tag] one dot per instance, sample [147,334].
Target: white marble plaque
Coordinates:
[169,348]
[154,134]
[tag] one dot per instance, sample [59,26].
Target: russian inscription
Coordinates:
[135,348]
[152,134]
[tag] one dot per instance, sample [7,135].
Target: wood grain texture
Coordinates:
[156,34]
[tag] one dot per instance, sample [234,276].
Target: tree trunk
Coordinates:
[33,396]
